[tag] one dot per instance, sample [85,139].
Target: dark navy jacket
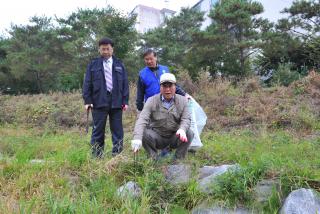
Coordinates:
[149,84]
[94,85]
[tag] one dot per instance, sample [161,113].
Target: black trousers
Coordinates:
[100,116]
[152,142]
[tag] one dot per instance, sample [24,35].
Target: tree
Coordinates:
[231,39]
[304,23]
[294,42]
[31,52]
[81,32]
[43,56]
[4,68]
[174,38]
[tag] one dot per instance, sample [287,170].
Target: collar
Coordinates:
[164,100]
[155,68]
[108,60]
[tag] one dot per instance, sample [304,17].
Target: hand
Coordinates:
[124,107]
[188,96]
[88,106]
[136,145]
[182,135]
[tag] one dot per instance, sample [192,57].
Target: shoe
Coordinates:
[114,154]
[164,153]
[97,151]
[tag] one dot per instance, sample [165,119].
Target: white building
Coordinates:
[205,6]
[149,18]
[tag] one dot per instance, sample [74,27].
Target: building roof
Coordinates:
[199,2]
[152,8]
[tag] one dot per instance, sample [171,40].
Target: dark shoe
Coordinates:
[164,152]
[117,149]
[114,154]
[97,153]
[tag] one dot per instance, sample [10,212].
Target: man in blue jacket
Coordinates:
[149,79]
[149,82]
[106,92]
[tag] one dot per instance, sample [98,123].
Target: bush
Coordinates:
[284,75]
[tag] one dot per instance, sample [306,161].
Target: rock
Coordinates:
[302,201]
[205,183]
[205,171]
[130,189]
[263,190]
[40,161]
[178,174]
[35,161]
[220,210]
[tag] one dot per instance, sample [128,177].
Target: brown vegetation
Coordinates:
[247,105]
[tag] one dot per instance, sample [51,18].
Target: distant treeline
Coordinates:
[51,54]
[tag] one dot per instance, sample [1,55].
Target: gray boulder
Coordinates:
[178,174]
[206,182]
[130,189]
[220,210]
[301,201]
[36,161]
[205,171]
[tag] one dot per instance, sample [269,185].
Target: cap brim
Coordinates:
[167,81]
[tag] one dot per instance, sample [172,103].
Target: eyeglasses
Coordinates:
[167,84]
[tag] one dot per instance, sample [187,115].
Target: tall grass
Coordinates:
[46,165]
[69,181]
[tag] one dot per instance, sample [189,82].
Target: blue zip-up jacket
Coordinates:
[149,84]
[94,89]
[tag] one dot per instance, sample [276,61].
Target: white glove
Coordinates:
[182,135]
[87,106]
[136,145]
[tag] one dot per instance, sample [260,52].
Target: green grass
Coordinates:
[69,181]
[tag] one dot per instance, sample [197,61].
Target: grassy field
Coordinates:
[69,181]
[272,133]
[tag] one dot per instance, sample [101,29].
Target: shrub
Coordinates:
[284,75]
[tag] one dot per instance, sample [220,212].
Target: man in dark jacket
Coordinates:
[106,92]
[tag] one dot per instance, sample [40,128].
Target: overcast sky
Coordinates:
[19,12]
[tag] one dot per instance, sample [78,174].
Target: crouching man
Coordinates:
[164,122]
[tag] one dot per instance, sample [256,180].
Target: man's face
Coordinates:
[106,51]
[150,60]
[168,90]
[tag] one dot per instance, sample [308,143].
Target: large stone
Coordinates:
[205,183]
[130,189]
[205,171]
[36,161]
[178,174]
[263,190]
[301,201]
[220,210]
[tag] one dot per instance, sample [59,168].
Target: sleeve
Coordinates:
[140,94]
[125,87]
[143,120]
[185,117]
[87,86]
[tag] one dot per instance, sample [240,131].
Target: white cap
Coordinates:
[167,77]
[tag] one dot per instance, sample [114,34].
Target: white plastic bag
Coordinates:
[198,121]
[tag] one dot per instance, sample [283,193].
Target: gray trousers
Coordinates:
[152,142]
